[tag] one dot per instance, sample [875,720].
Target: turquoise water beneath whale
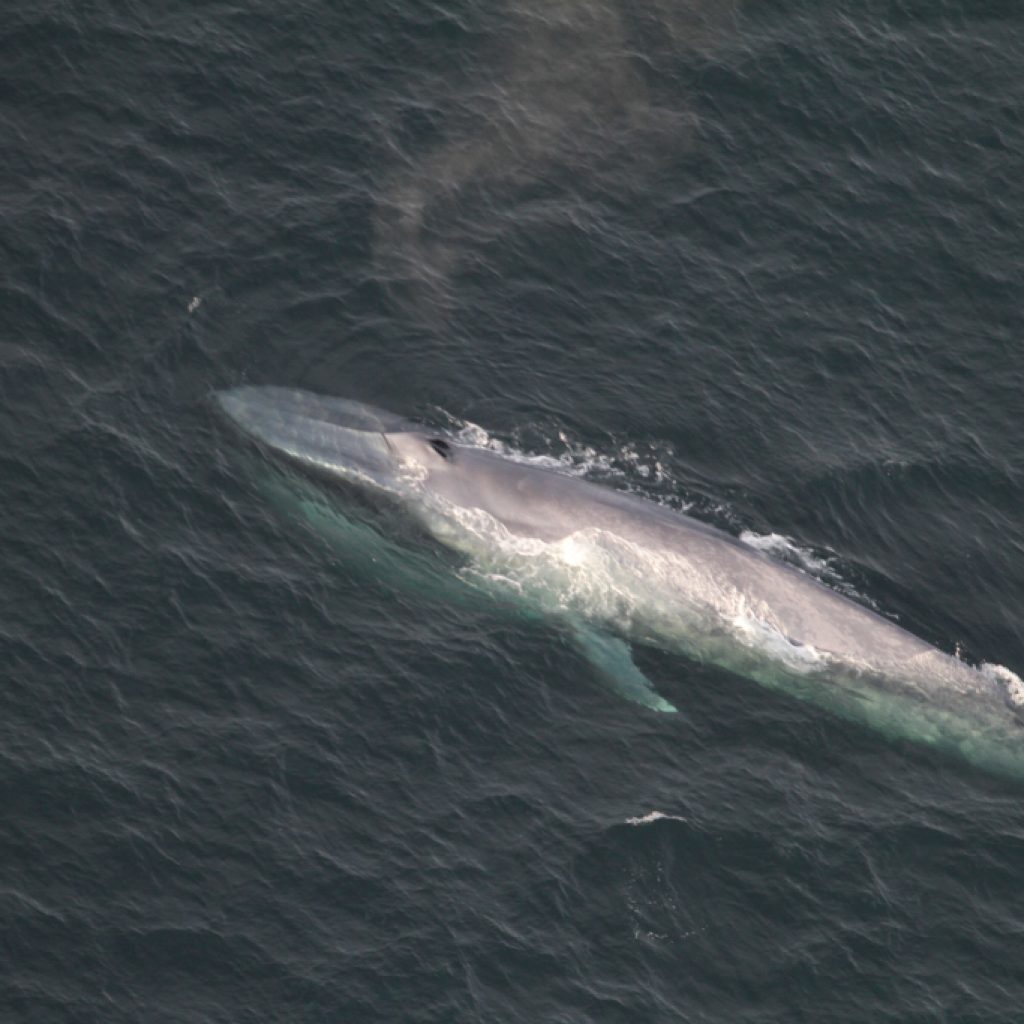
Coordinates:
[757,259]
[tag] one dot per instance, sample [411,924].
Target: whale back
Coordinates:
[708,567]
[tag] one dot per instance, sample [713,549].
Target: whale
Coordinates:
[613,569]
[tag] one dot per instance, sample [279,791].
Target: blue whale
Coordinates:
[616,570]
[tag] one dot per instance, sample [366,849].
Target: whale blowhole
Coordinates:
[442,447]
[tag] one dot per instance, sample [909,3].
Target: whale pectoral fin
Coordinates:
[615,666]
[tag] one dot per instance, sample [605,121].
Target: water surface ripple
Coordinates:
[762,261]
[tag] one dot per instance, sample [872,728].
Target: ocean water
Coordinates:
[757,259]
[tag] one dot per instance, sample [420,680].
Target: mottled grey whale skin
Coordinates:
[615,567]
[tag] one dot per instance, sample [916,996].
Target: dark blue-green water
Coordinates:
[763,260]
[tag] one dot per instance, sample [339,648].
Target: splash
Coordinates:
[784,549]
[1011,683]
[646,819]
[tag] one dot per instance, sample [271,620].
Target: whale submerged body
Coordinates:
[616,568]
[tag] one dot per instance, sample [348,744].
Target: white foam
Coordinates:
[577,459]
[756,632]
[475,435]
[581,573]
[1012,682]
[646,819]
[782,547]
[605,578]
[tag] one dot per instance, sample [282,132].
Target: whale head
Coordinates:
[337,437]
